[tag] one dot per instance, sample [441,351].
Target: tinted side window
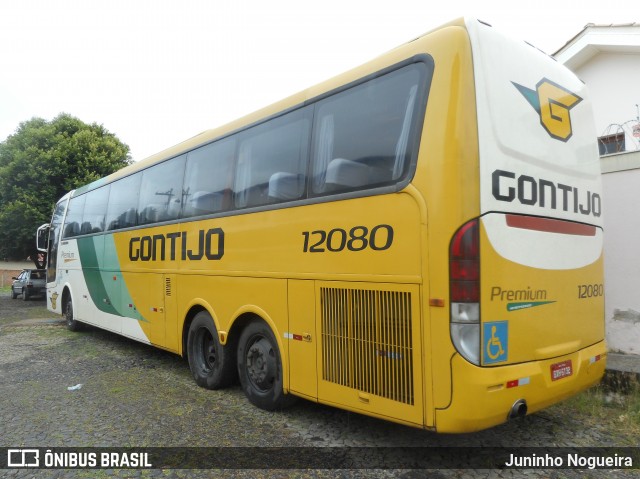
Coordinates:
[208,179]
[363,136]
[95,209]
[161,192]
[74,217]
[122,211]
[272,161]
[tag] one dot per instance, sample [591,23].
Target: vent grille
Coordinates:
[366,341]
[167,286]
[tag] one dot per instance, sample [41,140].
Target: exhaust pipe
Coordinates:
[519,409]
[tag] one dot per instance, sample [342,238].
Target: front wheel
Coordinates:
[72,324]
[211,363]
[14,295]
[25,294]
[260,367]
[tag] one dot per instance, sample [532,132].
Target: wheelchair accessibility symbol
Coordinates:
[495,342]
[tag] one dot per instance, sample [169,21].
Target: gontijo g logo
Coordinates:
[553,103]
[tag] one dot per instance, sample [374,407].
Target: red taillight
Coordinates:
[464,264]
[464,281]
[465,292]
[468,270]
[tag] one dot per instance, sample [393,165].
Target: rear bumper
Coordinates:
[483,396]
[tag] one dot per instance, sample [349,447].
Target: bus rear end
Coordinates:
[526,275]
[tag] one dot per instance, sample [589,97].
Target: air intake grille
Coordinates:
[167,286]
[366,341]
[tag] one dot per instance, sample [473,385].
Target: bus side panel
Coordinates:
[375,237]
[92,296]
[147,311]
[302,339]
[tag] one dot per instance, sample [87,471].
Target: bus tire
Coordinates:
[260,367]
[72,324]
[211,363]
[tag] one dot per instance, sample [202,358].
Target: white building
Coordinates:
[607,59]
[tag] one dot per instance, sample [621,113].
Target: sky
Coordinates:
[156,72]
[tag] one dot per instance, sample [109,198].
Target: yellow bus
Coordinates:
[418,239]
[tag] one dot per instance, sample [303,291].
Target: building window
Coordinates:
[611,144]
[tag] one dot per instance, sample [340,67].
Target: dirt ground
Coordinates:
[138,396]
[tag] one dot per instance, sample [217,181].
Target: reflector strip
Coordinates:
[549,225]
[295,337]
[518,382]
[595,359]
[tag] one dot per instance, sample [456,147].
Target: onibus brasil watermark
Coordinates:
[51,459]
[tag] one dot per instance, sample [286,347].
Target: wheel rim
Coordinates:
[261,364]
[206,350]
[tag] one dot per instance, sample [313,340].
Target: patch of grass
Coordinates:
[12,310]
[632,405]
[588,403]
[615,402]
[118,390]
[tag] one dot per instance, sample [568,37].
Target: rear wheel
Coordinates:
[211,363]
[260,367]
[72,324]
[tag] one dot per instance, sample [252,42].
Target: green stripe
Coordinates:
[100,266]
[100,293]
[526,305]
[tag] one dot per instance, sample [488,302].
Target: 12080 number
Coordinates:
[358,238]
[590,290]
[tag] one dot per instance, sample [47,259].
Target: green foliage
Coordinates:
[39,164]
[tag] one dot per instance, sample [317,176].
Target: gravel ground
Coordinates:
[138,396]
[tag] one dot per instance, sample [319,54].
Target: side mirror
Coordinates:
[42,237]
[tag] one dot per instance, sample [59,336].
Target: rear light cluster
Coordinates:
[464,277]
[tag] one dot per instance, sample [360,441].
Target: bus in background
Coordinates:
[418,239]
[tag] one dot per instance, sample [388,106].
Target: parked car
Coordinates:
[30,282]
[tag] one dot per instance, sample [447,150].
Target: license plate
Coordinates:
[561,370]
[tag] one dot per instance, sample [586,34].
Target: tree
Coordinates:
[39,164]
